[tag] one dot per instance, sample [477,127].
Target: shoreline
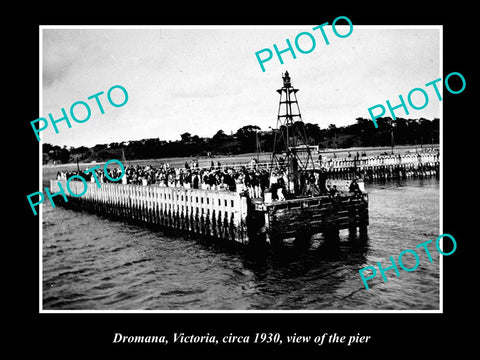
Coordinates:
[399,149]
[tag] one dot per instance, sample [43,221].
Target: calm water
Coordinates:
[93,263]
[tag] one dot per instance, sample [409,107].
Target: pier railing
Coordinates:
[384,167]
[361,162]
[221,214]
[412,161]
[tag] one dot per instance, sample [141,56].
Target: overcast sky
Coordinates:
[200,80]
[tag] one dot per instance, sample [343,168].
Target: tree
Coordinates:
[186,137]
[247,132]
[313,132]
[195,139]
[219,138]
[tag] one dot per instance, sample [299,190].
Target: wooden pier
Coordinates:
[370,168]
[301,218]
[223,215]
[220,214]
[384,167]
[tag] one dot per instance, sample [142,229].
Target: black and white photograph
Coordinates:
[289,182]
[190,173]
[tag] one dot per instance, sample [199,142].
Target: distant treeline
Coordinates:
[250,139]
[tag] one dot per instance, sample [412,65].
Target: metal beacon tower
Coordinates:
[290,145]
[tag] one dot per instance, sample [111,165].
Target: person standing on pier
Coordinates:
[354,187]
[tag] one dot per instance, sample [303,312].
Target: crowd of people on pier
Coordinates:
[249,179]
[256,180]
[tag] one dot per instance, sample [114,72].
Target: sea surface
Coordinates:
[92,263]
